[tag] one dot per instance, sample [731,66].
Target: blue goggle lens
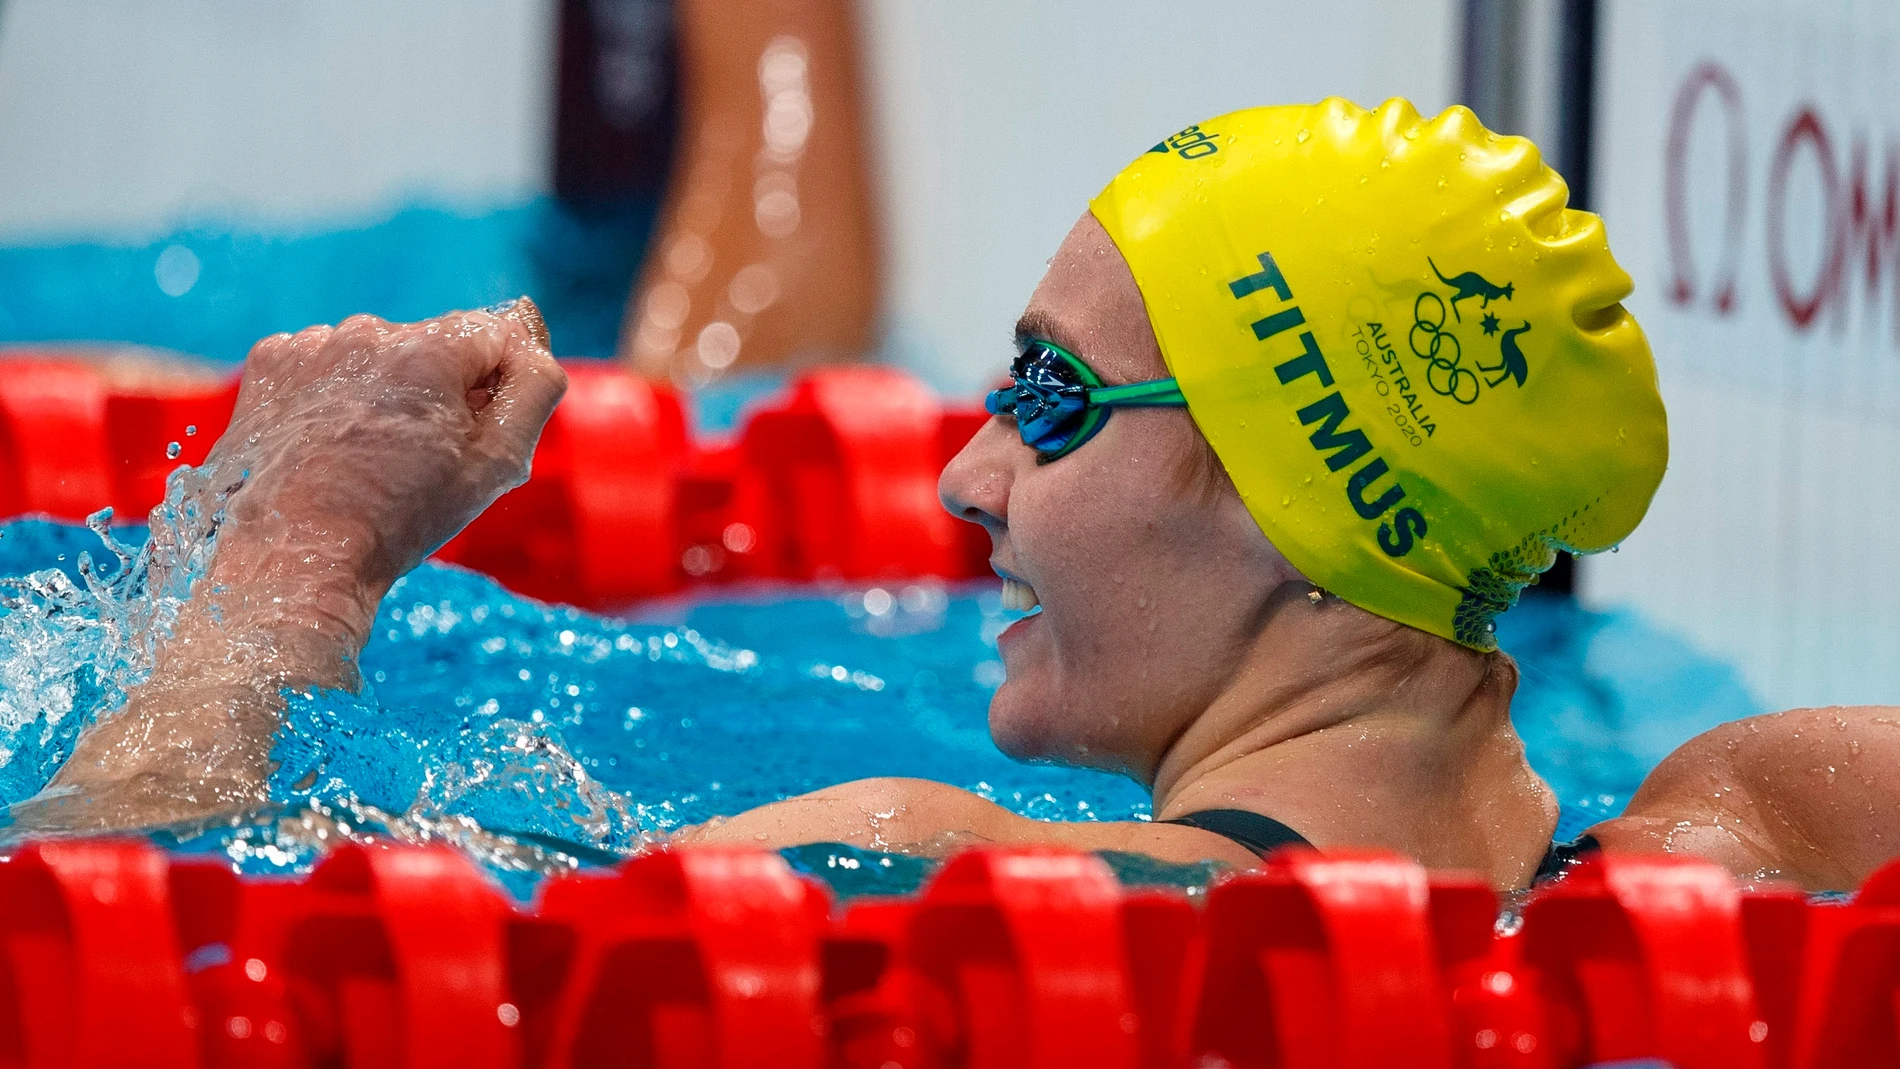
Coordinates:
[1059,402]
[1049,398]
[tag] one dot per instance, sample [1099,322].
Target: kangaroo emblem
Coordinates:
[1511,362]
[1471,284]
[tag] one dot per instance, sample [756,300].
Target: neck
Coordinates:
[1356,731]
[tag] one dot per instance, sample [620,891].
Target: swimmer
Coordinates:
[1258,471]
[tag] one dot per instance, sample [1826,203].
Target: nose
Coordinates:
[975,484]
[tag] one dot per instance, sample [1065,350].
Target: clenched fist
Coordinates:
[372,443]
[354,452]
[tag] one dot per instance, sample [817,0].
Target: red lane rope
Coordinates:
[834,478]
[113,952]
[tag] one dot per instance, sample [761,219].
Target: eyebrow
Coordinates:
[1036,324]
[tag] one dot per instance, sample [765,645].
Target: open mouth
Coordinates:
[1019,596]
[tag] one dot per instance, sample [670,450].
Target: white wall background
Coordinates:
[1773,540]
[997,120]
[127,115]
[991,121]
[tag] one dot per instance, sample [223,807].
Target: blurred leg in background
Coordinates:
[766,251]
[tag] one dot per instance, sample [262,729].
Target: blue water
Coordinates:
[215,284]
[485,707]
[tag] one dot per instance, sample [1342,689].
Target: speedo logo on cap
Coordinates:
[1340,446]
[1190,144]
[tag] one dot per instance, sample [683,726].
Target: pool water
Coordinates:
[486,713]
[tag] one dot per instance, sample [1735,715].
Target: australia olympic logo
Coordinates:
[1442,349]
[1434,342]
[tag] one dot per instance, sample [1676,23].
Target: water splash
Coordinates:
[508,727]
[73,641]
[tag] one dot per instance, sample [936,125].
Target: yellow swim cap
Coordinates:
[1407,352]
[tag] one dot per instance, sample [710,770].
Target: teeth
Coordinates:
[1019,596]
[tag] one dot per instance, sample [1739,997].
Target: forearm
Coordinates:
[898,815]
[278,607]
[930,819]
[272,614]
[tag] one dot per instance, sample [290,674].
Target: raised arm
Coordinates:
[1810,795]
[354,452]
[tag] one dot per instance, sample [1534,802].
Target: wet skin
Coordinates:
[1174,643]
[353,453]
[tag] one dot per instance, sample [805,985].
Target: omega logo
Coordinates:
[1860,220]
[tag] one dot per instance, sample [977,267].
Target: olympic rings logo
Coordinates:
[1431,342]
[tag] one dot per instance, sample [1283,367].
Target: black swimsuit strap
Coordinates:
[1262,835]
[1560,856]
[1257,833]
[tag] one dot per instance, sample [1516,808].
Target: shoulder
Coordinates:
[1811,795]
[915,807]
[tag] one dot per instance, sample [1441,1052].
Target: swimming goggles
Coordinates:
[1059,402]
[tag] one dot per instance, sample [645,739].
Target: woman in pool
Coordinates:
[1366,375]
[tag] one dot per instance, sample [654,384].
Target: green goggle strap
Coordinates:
[1155,393]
